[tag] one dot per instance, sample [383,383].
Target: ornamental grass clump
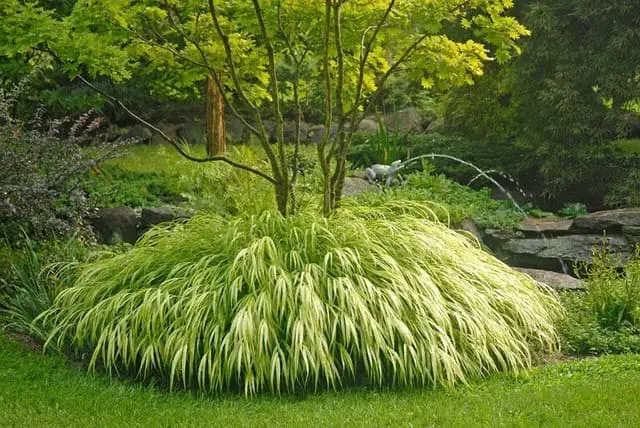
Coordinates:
[269,303]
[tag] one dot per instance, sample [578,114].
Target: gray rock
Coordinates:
[559,281]
[270,127]
[631,230]
[359,174]
[354,186]
[114,133]
[115,225]
[155,215]
[235,130]
[547,253]
[139,132]
[316,132]
[368,126]
[193,131]
[497,237]
[549,225]
[613,220]
[436,125]
[632,234]
[290,132]
[407,120]
[469,226]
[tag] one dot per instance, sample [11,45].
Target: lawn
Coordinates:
[37,390]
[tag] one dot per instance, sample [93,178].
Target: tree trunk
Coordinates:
[214,111]
[282,197]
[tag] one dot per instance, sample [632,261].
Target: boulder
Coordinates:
[406,120]
[138,132]
[467,225]
[235,130]
[354,186]
[270,127]
[548,253]
[290,131]
[496,237]
[558,281]
[114,133]
[368,126]
[193,131]
[115,225]
[359,174]
[436,125]
[631,234]
[317,131]
[549,225]
[610,221]
[155,215]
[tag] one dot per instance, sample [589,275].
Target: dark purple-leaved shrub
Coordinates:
[42,163]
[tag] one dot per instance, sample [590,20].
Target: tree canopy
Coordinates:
[271,56]
[575,88]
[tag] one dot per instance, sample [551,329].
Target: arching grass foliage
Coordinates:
[380,296]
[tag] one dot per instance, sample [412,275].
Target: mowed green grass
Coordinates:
[43,391]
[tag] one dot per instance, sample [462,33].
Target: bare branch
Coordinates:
[325,163]
[296,96]
[171,141]
[263,136]
[229,55]
[166,46]
[275,93]
[364,55]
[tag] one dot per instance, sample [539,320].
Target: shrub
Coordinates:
[383,147]
[573,210]
[614,299]
[554,176]
[42,162]
[150,175]
[112,186]
[582,334]
[450,201]
[605,319]
[625,190]
[270,303]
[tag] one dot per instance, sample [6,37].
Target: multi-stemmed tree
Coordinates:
[264,57]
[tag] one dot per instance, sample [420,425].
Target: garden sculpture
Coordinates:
[377,173]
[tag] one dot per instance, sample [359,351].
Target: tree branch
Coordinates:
[296,96]
[174,143]
[406,55]
[263,136]
[204,65]
[275,93]
[367,50]
[325,164]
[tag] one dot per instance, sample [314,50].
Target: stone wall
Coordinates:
[547,243]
